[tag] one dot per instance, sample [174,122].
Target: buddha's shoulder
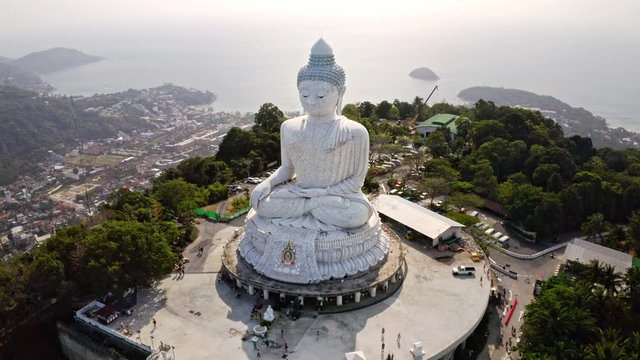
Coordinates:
[355,127]
[295,122]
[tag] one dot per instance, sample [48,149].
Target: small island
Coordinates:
[424,73]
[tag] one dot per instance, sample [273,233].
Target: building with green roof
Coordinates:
[437,121]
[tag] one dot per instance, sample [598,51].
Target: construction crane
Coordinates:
[419,114]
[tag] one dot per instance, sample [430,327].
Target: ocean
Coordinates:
[248,65]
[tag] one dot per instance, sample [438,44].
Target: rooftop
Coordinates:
[441,120]
[584,252]
[420,219]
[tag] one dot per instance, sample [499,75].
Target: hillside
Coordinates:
[574,121]
[31,124]
[12,75]
[55,59]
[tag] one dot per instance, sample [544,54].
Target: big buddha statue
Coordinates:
[310,220]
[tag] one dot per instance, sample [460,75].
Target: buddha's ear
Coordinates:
[340,96]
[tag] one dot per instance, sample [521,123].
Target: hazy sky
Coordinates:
[585,52]
[23,20]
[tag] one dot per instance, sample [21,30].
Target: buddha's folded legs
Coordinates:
[329,209]
[281,207]
[354,215]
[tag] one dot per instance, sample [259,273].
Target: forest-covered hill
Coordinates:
[55,59]
[574,121]
[31,124]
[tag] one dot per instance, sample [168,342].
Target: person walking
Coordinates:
[154,322]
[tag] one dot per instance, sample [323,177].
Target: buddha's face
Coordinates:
[318,98]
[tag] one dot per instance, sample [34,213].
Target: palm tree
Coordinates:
[593,272]
[609,347]
[633,345]
[550,320]
[594,226]
[610,280]
[632,279]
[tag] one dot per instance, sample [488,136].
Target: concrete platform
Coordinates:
[358,291]
[203,319]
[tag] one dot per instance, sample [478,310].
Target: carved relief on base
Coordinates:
[299,255]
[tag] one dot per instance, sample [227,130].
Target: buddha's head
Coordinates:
[321,83]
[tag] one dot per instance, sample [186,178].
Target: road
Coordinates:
[528,271]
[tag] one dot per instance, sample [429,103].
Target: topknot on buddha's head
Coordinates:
[322,67]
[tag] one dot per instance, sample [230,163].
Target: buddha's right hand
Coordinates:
[260,192]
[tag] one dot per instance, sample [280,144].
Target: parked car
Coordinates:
[235,188]
[463,270]
[537,287]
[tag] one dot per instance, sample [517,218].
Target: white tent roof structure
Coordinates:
[414,216]
[584,252]
[356,355]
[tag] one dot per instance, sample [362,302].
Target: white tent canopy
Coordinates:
[355,355]
[420,219]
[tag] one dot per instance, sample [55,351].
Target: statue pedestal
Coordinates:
[305,256]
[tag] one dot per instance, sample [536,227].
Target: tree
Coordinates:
[609,347]
[416,160]
[484,180]
[125,204]
[460,201]
[441,168]
[417,107]
[351,112]
[268,119]
[394,113]
[485,110]
[383,109]
[46,274]
[543,174]
[557,322]
[236,144]
[594,227]
[378,141]
[366,109]
[487,130]
[404,109]
[122,255]
[171,194]
[218,192]
[633,231]
[519,200]
[437,144]
[434,187]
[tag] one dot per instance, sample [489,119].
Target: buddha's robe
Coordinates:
[328,161]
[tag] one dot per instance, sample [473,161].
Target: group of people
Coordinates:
[390,355]
[179,267]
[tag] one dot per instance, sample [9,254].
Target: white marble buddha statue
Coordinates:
[310,221]
[324,156]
